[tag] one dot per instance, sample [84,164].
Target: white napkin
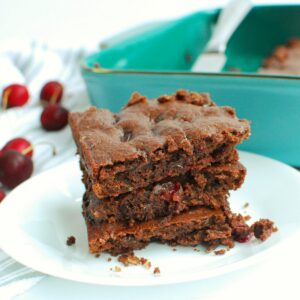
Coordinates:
[33,64]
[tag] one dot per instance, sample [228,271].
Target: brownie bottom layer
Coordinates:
[199,225]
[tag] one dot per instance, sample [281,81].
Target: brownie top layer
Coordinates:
[144,126]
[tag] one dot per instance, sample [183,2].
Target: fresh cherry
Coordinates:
[19,144]
[14,168]
[52,92]
[54,117]
[2,195]
[14,95]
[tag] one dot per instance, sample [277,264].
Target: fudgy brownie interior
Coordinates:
[208,187]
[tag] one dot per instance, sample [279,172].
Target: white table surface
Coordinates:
[83,22]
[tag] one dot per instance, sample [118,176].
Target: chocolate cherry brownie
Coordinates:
[161,170]
[148,141]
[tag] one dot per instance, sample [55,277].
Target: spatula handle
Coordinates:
[230,18]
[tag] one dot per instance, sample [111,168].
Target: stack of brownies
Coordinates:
[160,170]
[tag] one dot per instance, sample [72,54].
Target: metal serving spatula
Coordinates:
[213,59]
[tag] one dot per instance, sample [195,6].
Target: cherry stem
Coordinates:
[54,97]
[5,99]
[27,150]
[54,152]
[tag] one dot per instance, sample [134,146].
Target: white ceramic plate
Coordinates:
[39,215]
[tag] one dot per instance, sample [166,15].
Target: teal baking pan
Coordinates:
[158,62]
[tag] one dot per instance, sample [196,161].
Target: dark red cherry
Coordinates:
[54,117]
[20,145]
[14,168]
[52,92]
[2,195]
[14,95]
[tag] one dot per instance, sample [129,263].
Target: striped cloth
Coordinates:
[33,64]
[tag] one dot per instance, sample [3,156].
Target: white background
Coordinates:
[86,22]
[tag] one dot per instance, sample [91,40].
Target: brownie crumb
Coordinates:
[117,269]
[143,260]
[71,240]
[131,259]
[109,259]
[174,249]
[220,252]
[294,42]
[196,250]
[127,260]
[164,98]
[241,232]
[227,242]
[246,205]
[156,271]
[247,218]
[263,229]
[97,255]
[147,264]
[136,98]
[211,246]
